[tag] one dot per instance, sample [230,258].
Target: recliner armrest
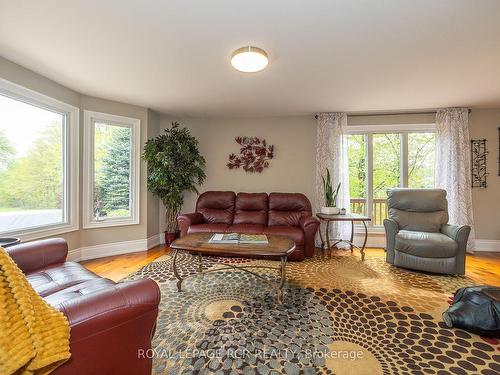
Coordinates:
[186,220]
[458,233]
[110,307]
[35,255]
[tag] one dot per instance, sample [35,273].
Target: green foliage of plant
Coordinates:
[330,194]
[175,165]
[387,165]
[6,150]
[34,181]
[112,192]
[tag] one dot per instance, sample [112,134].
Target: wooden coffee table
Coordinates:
[197,243]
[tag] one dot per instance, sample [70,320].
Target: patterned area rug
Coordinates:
[339,316]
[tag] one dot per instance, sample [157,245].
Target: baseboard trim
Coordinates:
[487,245]
[113,248]
[374,240]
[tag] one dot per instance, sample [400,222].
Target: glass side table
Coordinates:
[328,219]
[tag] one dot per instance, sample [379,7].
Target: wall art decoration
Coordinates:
[254,155]
[478,159]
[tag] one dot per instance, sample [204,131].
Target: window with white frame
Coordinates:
[383,157]
[38,164]
[111,170]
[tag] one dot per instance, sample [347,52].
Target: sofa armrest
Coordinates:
[310,226]
[186,220]
[104,309]
[35,255]
[391,229]
[111,329]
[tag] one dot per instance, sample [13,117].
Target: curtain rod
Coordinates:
[391,114]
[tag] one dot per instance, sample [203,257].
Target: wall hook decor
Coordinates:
[254,155]
[478,160]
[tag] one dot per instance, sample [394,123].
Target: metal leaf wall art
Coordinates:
[254,155]
[478,159]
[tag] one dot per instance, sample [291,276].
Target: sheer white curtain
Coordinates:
[453,165]
[331,153]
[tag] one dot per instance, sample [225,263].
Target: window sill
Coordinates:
[110,223]
[41,232]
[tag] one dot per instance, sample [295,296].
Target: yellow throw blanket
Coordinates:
[34,336]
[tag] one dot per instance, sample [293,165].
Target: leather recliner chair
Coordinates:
[287,214]
[418,234]
[111,324]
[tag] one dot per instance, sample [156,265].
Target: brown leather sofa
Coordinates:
[111,324]
[287,214]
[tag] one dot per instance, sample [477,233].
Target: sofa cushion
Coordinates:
[55,278]
[210,228]
[294,233]
[251,208]
[286,209]
[425,244]
[246,228]
[217,207]
[80,289]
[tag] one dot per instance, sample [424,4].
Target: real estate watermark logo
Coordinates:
[242,353]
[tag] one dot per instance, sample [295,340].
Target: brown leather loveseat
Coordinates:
[287,214]
[111,325]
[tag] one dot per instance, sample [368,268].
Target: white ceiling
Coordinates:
[325,55]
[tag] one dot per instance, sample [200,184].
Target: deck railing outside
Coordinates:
[379,211]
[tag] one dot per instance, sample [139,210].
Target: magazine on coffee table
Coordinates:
[238,238]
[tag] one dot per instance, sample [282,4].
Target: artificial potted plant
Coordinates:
[330,207]
[175,165]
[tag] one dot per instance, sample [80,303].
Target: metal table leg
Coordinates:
[283,277]
[352,236]
[177,276]
[321,237]
[328,234]
[364,242]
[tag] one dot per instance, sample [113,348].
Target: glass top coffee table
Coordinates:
[278,247]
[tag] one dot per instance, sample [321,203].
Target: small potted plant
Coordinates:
[175,165]
[330,207]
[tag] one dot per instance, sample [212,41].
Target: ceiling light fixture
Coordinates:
[249,59]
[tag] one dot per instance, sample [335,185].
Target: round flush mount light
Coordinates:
[249,59]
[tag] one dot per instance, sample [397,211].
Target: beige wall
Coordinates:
[292,169]
[150,120]
[484,124]
[153,203]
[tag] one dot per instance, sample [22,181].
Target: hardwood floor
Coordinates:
[483,268]
[119,266]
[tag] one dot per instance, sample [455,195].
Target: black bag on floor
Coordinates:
[475,309]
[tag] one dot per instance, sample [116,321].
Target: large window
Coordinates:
[38,154]
[111,170]
[382,159]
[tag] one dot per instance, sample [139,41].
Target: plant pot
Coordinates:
[170,237]
[330,210]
